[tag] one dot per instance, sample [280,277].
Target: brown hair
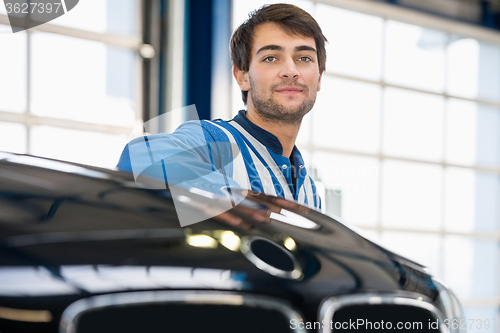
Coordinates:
[292,19]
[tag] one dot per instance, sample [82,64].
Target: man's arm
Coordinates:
[189,157]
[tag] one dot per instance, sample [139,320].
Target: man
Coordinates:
[278,57]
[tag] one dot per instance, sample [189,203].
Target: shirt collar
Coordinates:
[267,139]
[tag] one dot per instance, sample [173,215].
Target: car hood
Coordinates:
[69,230]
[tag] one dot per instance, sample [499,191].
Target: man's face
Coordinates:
[283,78]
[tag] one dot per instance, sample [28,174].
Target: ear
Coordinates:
[319,81]
[242,78]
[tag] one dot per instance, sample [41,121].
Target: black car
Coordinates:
[85,249]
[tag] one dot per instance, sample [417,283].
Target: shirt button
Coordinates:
[284,166]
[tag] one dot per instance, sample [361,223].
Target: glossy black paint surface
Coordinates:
[87,231]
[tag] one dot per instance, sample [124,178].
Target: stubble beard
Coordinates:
[274,112]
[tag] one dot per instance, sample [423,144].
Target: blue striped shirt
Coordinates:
[212,155]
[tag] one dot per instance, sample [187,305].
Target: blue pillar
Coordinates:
[206,25]
[199,56]
[487,15]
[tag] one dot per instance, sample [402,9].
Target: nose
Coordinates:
[289,70]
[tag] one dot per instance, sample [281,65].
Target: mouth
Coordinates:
[289,90]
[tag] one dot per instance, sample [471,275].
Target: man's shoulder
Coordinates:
[197,127]
[219,129]
[205,124]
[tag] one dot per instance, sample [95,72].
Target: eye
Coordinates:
[306,59]
[269,59]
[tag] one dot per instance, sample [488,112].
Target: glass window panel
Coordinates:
[354,41]
[415,56]
[304,136]
[461,132]
[119,73]
[13,70]
[411,195]
[413,124]
[355,180]
[471,266]
[474,69]
[86,15]
[421,248]
[463,67]
[486,268]
[104,16]
[489,71]
[82,81]
[487,199]
[488,136]
[472,136]
[121,16]
[347,115]
[482,313]
[458,264]
[98,149]
[13,137]
[460,199]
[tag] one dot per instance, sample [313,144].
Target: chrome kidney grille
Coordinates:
[375,313]
[179,311]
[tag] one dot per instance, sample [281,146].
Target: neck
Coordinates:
[286,133]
